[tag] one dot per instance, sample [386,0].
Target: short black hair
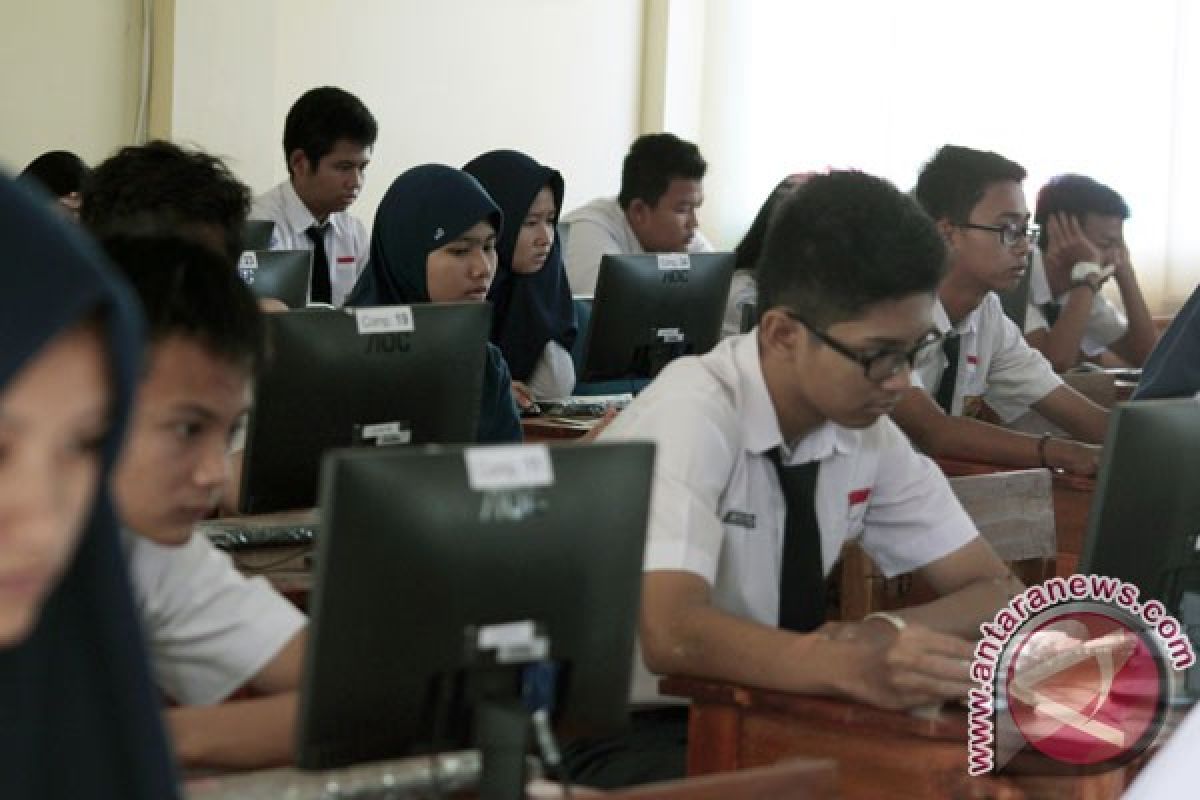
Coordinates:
[749,248]
[653,161]
[187,290]
[953,182]
[843,242]
[1076,196]
[60,172]
[160,188]
[322,116]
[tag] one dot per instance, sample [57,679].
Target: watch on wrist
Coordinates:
[1088,273]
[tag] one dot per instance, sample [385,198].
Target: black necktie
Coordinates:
[802,577]
[945,392]
[1050,311]
[322,290]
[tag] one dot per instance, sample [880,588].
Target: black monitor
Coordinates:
[1144,525]
[257,233]
[432,557]
[370,376]
[652,308]
[281,274]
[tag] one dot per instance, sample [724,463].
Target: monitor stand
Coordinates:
[502,735]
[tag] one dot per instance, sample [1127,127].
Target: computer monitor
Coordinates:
[257,233]
[431,556]
[370,376]
[652,308]
[1144,525]
[281,274]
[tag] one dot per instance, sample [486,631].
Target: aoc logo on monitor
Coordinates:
[675,276]
[386,343]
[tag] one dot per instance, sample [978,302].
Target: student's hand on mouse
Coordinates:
[522,395]
[1074,457]
[902,669]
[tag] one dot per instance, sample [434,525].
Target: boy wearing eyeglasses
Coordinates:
[978,205]
[774,449]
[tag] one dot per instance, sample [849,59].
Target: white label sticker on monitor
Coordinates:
[669,335]
[383,429]
[249,260]
[670,261]
[505,634]
[385,319]
[508,467]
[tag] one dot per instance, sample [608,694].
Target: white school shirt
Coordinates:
[599,229]
[995,364]
[346,242]
[209,629]
[717,510]
[1105,323]
[553,376]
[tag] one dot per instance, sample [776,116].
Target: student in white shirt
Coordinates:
[733,582]
[210,631]
[1082,237]
[975,198]
[662,185]
[327,141]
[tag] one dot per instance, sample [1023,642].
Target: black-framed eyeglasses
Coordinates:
[881,364]
[1010,233]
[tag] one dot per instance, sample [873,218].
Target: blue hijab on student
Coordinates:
[78,716]
[532,309]
[426,208]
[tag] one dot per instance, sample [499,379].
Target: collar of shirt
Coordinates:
[760,423]
[300,218]
[968,324]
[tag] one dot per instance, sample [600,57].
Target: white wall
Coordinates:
[447,80]
[68,73]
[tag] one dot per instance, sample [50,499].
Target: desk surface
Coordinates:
[878,753]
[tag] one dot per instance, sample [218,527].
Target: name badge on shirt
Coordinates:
[740,519]
[972,362]
[858,496]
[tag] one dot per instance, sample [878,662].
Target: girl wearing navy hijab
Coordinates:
[78,717]
[534,320]
[434,241]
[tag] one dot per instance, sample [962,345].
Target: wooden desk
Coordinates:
[555,429]
[1072,504]
[878,753]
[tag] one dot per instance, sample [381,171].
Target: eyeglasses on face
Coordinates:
[878,365]
[1010,233]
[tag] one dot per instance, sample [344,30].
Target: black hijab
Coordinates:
[530,310]
[78,716]
[425,208]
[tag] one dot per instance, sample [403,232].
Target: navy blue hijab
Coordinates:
[426,208]
[530,310]
[78,716]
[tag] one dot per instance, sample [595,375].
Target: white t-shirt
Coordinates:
[209,628]
[1105,323]
[717,510]
[346,243]
[553,376]
[1172,770]
[596,230]
[995,364]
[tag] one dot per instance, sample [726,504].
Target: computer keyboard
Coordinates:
[239,534]
[585,405]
